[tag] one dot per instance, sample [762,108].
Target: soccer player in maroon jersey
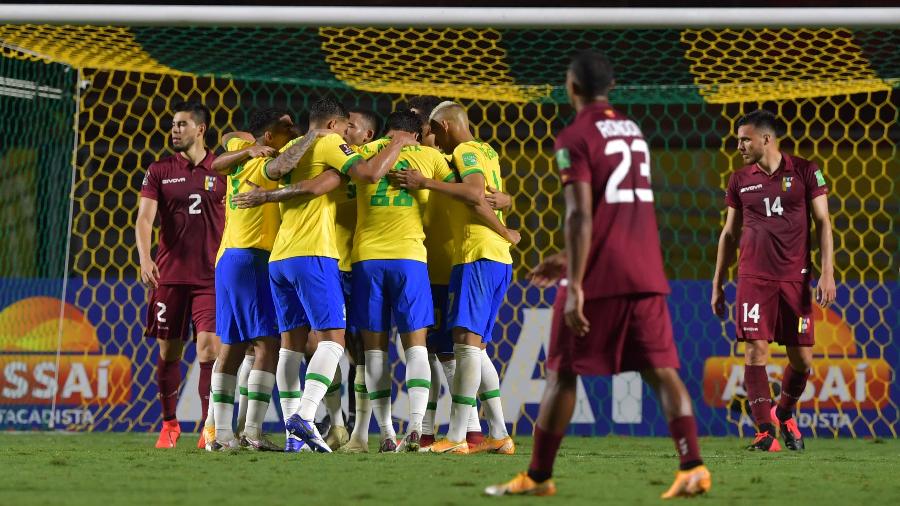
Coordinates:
[610,313]
[769,202]
[187,194]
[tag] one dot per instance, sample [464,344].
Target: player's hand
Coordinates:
[574,311]
[404,138]
[548,272]
[825,290]
[409,179]
[253,198]
[497,199]
[149,273]
[513,236]
[257,151]
[717,301]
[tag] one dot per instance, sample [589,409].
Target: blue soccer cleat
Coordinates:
[294,444]
[307,432]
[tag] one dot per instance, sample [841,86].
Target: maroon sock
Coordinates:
[546,445]
[684,433]
[206,369]
[168,377]
[756,382]
[474,438]
[792,386]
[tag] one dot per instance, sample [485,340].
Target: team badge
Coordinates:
[803,325]
[210,183]
[786,182]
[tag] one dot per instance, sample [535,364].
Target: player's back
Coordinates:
[307,223]
[390,220]
[605,149]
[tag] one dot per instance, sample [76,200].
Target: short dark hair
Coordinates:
[264,119]
[759,118]
[198,111]
[424,104]
[326,109]
[593,72]
[404,121]
[370,116]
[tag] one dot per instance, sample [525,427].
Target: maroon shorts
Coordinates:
[628,333]
[779,311]
[173,308]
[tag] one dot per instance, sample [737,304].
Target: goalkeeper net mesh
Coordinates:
[84,112]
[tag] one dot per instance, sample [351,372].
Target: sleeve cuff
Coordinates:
[471,171]
[266,171]
[349,163]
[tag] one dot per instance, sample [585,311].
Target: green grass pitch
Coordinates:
[125,469]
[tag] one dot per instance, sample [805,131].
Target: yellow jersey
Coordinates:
[389,220]
[345,221]
[473,240]
[307,223]
[248,228]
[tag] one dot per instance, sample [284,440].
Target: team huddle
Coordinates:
[289,248]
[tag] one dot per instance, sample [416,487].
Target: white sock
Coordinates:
[465,388]
[489,392]
[211,406]
[450,371]
[418,385]
[287,377]
[319,373]
[434,393]
[363,407]
[242,375]
[259,393]
[332,400]
[222,388]
[378,383]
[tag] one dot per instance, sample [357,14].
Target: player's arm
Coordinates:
[549,271]
[578,227]
[286,161]
[143,232]
[237,134]
[315,187]
[470,190]
[729,240]
[825,289]
[375,168]
[226,162]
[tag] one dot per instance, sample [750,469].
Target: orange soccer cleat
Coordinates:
[504,446]
[447,446]
[522,484]
[168,436]
[689,483]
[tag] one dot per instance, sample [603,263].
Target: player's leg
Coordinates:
[223,384]
[418,386]
[243,375]
[359,438]
[429,427]
[167,322]
[796,332]
[337,435]
[319,286]
[203,314]
[757,312]
[260,383]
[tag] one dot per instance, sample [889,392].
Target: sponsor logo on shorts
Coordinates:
[174,180]
[803,325]
[750,329]
[751,188]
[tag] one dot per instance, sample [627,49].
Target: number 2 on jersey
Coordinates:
[194,208]
[615,194]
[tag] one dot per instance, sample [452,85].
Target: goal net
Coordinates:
[84,111]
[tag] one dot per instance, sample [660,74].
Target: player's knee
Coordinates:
[170,350]
[800,358]
[756,353]
[561,380]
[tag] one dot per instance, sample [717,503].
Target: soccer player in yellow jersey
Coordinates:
[245,313]
[303,267]
[362,126]
[482,271]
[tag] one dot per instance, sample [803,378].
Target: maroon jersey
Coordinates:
[607,150]
[776,210]
[191,216]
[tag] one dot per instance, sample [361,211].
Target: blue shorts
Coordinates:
[347,287]
[244,307]
[391,288]
[440,336]
[477,290]
[307,293]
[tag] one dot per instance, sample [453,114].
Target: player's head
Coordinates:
[327,113]
[423,105]
[189,125]
[450,125]
[272,127]
[590,77]
[363,125]
[404,121]
[756,133]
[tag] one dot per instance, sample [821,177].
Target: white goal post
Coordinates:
[523,17]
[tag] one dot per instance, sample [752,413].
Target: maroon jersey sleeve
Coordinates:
[732,196]
[814,181]
[150,187]
[572,160]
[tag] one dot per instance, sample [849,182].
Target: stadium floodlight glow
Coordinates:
[549,17]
